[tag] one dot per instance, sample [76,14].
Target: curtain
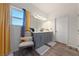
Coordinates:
[24,22]
[4,29]
[27,21]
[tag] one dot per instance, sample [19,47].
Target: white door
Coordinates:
[77,31]
[73,30]
[62,29]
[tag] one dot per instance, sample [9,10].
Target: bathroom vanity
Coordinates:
[41,38]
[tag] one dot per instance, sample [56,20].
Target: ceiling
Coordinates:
[56,7]
[50,8]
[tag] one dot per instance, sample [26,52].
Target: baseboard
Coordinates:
[70,46]
[60,42]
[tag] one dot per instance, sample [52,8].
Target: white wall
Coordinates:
[47,25]
[36,24]
[78,8]
[15,33]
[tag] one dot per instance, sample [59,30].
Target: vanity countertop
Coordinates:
[43,32]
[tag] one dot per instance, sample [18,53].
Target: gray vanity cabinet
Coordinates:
[41,38]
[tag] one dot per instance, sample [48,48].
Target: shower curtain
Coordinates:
[4,29]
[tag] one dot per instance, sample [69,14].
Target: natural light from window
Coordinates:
[17,16]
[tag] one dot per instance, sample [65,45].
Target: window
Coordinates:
[16,16]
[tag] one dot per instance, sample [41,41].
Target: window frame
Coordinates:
[17,8]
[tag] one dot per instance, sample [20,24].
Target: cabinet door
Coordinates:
[48,37]
[36,40]
[45,38]
[62,29]
[39,41]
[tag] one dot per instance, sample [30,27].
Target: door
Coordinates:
[62,29]
[73,30]
[77,32]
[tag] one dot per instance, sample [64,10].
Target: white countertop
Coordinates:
[43,32]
